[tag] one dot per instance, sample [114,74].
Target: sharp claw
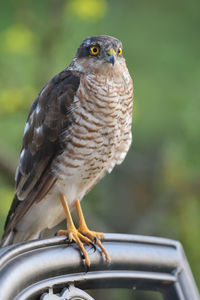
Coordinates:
[87,268]
[91,238]
[85,261]
[93,246]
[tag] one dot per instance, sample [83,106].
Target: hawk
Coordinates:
[78,128]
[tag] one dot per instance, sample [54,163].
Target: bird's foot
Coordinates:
[95,237]
[82,234]
[79,239]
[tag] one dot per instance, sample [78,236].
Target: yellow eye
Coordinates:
[119,51]
[94,50]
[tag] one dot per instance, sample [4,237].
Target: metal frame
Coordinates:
[45,267]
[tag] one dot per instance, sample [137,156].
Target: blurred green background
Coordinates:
[156,190]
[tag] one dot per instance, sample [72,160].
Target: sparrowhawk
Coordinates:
[78,128]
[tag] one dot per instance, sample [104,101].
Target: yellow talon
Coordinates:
[92,235]
[82,234]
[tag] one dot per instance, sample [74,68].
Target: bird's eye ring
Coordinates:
[119,51]
[94,50]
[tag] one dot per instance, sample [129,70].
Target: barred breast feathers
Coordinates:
[101,131]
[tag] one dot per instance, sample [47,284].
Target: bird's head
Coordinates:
[99,54]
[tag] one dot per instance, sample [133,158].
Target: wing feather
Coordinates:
[49,116]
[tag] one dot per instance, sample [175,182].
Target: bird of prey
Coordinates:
[78,128]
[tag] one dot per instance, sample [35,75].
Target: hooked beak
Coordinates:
[111,56]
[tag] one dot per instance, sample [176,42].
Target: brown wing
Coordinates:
[48,118]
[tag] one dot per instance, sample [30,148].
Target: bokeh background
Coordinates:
[156,190]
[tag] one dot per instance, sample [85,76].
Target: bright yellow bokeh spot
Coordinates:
[18,39]
[90,10]
[13,99]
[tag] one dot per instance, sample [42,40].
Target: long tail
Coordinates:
[11,235]
[7,240]
[14,237]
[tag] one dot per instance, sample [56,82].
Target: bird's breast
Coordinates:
[101,132]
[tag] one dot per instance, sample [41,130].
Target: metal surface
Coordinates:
[69,293]
[28,270]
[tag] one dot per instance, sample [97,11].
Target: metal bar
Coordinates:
[97,280]
[137,261]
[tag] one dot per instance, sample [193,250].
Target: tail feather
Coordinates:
[14,237]
[7,240]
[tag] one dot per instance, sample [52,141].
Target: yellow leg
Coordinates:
[72,232]
[92,235]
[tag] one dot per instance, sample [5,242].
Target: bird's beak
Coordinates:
[111,56]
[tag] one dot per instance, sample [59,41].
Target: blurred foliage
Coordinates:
[160,179]
[87,10]
[18,39]
[19,98]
